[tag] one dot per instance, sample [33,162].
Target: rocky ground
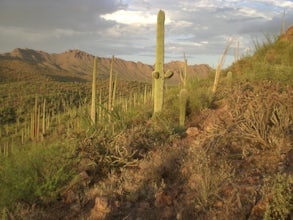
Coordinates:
[234,161]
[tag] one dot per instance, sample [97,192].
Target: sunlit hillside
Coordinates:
[76,66]
[232,158]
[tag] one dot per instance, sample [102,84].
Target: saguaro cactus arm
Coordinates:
[168,74]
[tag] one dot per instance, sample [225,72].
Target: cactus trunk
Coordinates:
[93,106]
[183,95]
[159,75]
[159,83]
[111,85]
[44,118]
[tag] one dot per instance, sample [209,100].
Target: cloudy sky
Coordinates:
[126,28]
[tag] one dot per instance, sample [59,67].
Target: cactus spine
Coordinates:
[159,75]
[93,106]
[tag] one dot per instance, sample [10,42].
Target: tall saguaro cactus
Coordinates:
[93,106]
[110,102]
[159,75]
[183,95]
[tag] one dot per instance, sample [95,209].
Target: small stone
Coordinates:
[219,204]
[101,208]
[259,209]
[75,207]
[167,213]
[192,131]
[88,165]
[144,205]
[162,200]
[117,203]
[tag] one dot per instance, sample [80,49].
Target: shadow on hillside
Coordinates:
[60,78]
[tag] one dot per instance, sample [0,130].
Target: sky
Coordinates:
[200,29]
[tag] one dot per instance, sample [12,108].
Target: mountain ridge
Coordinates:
[76,64]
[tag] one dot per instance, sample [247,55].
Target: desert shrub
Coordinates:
[205,179]
[262,114]
[156,172]
[34,176]
[199,94]
[7,115]
[278,192]
[111,151]
[253,118]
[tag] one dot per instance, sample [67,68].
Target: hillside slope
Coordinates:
[232,160]
[273,60]
[235,160]
[75,65]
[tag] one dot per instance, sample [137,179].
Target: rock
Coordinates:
[167,213]
[101,209]
[87,165]
[70,196]
[192,132]
[219,204]
[258,210]
[84,178]
[162,200]
[144,205]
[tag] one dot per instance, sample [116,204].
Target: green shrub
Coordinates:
[34,175]
[205,179]
[272,60]
[7,115]
[280,203]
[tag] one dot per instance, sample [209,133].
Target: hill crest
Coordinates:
[78,65]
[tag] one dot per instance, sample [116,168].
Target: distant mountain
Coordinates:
[76,65]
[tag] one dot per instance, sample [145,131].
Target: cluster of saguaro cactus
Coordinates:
[158,75]
[6,149]
[111,95]
[36,121]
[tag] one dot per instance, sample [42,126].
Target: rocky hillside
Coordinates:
[76,65]
[232,160]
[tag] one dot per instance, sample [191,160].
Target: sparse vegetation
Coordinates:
[279,195]
[230,159]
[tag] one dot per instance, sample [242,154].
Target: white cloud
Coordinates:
[182,23]
[277,3]
[195,6]
[127,28]
[250,12]
[133,17]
